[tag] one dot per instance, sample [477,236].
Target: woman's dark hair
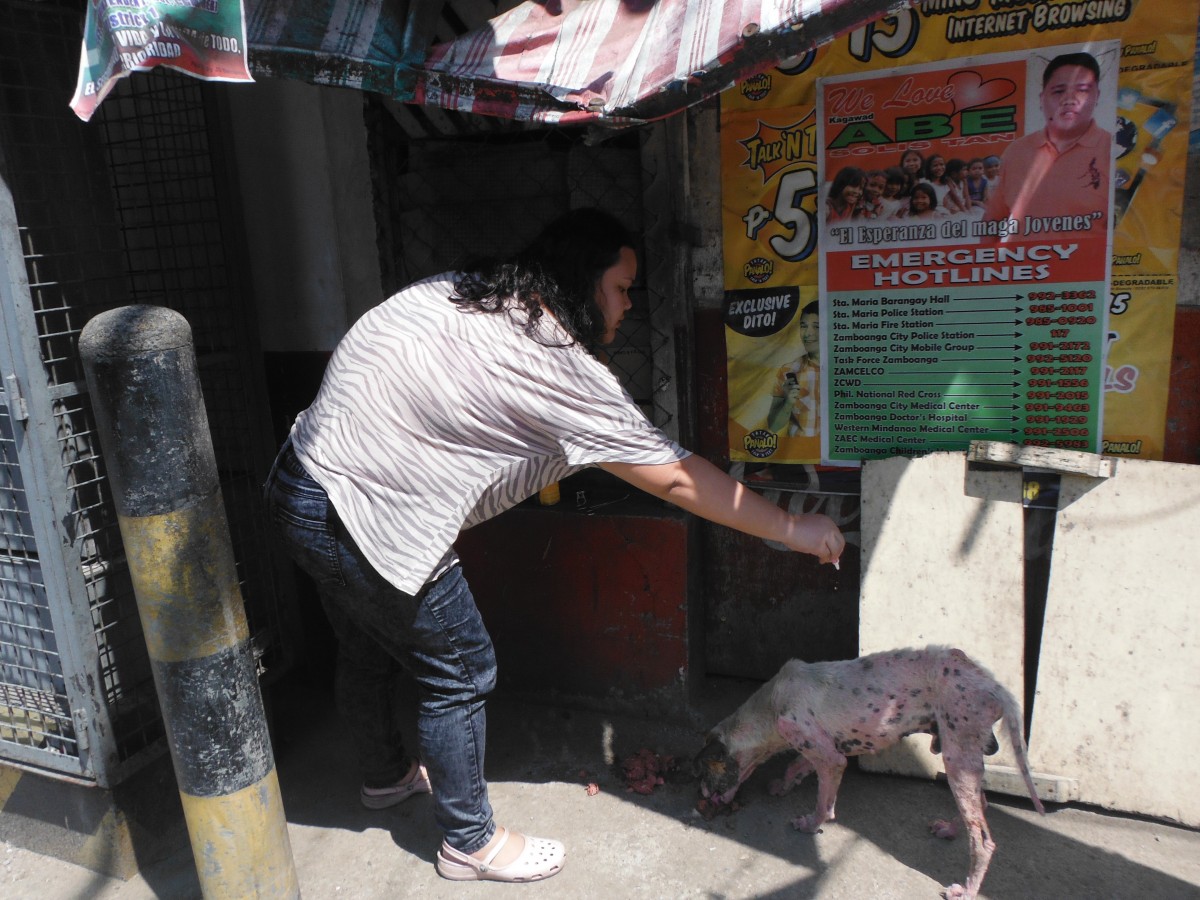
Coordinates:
[953,167]
[558,271]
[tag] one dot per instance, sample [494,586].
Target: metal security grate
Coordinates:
[33,706]
[443,201]
[129,208]
[169,196]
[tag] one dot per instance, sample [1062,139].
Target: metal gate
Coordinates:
[130,208]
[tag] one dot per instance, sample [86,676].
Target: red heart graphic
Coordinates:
[970,90]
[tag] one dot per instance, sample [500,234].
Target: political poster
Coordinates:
[967,227]
[203,38]
[777,172]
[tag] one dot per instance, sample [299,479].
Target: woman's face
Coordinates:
[937,167]
[852,193]
[892,188]
[612,292]
[976,170]
[911,163]
[875,187]
[920,202]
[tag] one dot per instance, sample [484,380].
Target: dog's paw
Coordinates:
[956,892]
[944,828]
[810,824]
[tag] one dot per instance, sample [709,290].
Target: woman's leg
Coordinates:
[440,638]
[365,683]
[437,635]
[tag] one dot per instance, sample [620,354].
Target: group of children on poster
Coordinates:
[917,187]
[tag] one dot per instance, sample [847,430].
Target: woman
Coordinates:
[442,407]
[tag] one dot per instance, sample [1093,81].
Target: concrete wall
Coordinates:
[310,224]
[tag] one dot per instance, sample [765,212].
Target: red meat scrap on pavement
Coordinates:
[646,770]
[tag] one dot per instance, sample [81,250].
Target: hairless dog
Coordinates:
[829,711]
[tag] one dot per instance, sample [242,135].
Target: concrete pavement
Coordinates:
[627,845]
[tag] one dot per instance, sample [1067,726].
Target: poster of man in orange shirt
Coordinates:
[775,204]
[977,312]
[1058,177]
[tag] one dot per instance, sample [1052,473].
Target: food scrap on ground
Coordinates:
[711,810]
[645,770]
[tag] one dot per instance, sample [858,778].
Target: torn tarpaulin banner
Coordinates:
[204,38]
[622,62]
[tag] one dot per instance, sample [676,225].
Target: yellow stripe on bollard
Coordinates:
[240,842]
[185,580]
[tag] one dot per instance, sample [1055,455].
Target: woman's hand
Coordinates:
[817,534]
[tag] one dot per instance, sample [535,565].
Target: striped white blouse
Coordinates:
[430,420]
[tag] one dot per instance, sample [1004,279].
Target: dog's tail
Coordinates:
[1012,724]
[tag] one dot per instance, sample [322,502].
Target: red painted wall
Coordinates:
[590,606]
[1182,442]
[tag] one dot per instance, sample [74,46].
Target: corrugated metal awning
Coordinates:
[614,62]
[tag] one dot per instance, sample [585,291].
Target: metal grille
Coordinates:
[167,191]
[33,704]
[126,209]
[442,201]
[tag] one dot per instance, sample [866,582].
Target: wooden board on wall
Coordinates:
[1119,677]
[942,563]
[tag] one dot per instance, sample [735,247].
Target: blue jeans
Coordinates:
[437,635]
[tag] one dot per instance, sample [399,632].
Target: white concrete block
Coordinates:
[1119,677]
[943,563]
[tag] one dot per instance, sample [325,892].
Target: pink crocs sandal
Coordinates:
[382,798]
[541,858]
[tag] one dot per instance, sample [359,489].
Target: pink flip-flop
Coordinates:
[541,858]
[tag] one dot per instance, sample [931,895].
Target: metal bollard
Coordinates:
[140,367]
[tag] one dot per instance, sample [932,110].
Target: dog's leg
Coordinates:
[949,828]
[964,772]
[795,774]
[818,748]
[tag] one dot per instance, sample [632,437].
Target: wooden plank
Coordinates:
[1072,462]
[1119,676]
[943,563]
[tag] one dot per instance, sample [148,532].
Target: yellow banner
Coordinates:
[771,192]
